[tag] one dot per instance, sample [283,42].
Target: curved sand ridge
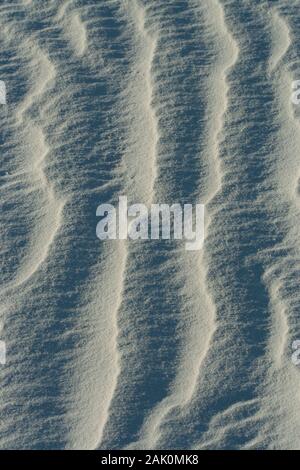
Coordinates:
[76,33]
[139,160]
[281,275]
[138,166]
[36,152]
[281,39]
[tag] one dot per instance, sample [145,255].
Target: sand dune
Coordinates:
[142,344]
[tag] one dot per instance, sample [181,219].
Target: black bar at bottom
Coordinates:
[135,459]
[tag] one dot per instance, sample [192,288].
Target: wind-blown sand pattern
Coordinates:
[144,345]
